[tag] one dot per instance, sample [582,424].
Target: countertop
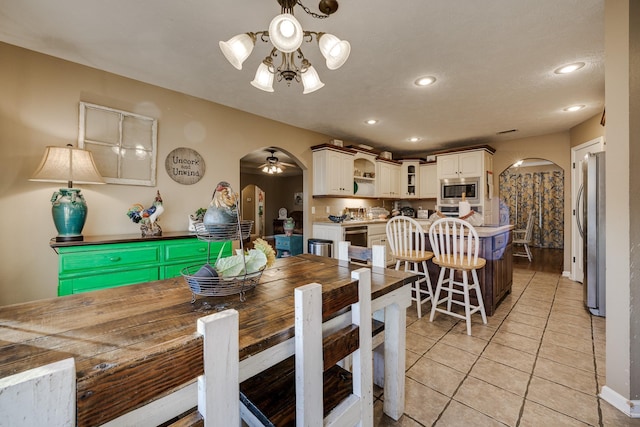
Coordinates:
[483,231]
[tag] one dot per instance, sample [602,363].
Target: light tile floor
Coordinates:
[538,362]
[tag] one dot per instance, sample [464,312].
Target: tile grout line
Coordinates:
[480,355]
[535,361]
[595,373]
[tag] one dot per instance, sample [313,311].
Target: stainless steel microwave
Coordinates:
[451,191]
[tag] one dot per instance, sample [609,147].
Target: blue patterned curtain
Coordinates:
[540,193]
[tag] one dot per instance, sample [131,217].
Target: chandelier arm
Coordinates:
[307,36]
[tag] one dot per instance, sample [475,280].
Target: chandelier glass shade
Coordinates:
[286,35]
[271,169]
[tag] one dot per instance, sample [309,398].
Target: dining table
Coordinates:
[137,352]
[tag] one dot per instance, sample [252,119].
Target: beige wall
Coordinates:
[586,131]
[554,147]
[39,107]
[622,47]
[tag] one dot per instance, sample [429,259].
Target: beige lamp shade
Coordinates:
[67,164]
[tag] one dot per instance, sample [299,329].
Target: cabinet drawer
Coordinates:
[499,242]
[283,243]
[107,258]
[105,281]
[185,250]
[194,249]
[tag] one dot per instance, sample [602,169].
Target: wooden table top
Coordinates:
[101,329]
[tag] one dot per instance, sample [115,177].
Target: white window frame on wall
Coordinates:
[120,148]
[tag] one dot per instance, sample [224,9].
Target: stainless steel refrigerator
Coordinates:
[592,229]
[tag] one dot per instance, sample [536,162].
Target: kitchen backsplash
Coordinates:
[335,206]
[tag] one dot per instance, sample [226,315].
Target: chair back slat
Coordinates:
[405,235]
[455,241]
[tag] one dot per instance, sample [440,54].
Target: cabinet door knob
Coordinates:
[114,258]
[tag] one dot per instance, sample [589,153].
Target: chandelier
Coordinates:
[286,35]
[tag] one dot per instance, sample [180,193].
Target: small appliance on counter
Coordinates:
[408,211]
[424,213]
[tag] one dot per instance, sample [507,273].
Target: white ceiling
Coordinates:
[493,60]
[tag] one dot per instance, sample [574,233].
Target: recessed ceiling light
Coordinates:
[570,68]
[574,108]
[414,139]
[371,121]
[425,81]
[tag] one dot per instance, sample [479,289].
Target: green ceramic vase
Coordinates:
[69,214]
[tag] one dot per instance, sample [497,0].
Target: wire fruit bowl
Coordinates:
[217,232]
[201,281]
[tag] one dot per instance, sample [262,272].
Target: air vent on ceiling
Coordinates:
[502,132]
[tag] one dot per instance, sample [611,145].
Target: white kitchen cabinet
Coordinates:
[377,235]
[332,172]
[410,179]
[462,165]
[387,178]
[429,184]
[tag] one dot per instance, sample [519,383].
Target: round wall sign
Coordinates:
[185,166]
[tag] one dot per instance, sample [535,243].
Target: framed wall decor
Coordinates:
[123,144]
[185,166]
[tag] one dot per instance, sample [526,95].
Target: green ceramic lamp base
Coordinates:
[69,212]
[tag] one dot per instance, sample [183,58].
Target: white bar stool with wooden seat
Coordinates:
[455,245]
[408,244]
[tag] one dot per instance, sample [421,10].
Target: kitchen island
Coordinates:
[496,247]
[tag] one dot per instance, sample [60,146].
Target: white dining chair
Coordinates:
[455,245]
[311,388]
[523,237]
[408,243]
[375,255]
[43,396]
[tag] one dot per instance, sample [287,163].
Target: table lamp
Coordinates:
[71,165]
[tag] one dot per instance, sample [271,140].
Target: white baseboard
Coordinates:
[629,407]
[566,274]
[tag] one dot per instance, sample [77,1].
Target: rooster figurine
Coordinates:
[223,208]
[147,217]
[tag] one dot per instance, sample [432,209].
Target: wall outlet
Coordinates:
[313,210]
[328,209]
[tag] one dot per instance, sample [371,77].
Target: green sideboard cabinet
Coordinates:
[101,262]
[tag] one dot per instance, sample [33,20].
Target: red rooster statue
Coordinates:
[147,217]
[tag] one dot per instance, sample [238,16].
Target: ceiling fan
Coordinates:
[273,165]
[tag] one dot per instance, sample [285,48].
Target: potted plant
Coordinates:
[197,216]
[288,224]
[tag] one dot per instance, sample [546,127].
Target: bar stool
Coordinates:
[407,241]
[455,245]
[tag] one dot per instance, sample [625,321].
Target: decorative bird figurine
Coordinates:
[223,208]
[138,213]
[147,217]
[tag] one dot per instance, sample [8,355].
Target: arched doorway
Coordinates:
[280,191]
[534,186]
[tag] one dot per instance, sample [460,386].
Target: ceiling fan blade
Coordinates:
[290,165]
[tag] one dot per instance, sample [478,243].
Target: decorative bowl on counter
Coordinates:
[334,218]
